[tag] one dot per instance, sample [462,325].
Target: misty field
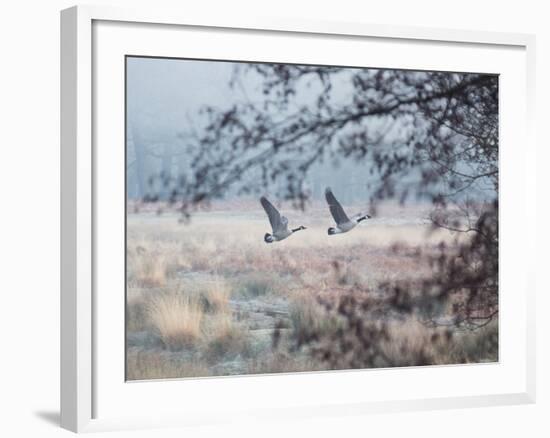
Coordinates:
[210,298]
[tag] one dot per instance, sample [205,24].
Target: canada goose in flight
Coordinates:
[279,223]
[343,222]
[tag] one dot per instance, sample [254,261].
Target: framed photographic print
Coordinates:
[249,208]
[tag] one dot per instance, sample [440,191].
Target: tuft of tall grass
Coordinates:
[153,262]
[310,318]
[216,296]
[411,341]
[147,265]
[177,318]
[225,337]
[151,271]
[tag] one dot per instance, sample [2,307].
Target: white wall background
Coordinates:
[29,216]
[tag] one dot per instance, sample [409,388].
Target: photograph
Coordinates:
[285,218]
[234,219]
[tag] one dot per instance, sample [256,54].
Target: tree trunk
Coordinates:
[166,170]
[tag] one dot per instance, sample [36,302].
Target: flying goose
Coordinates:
[343,222]
[279,223]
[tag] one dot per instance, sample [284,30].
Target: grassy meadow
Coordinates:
[210,298]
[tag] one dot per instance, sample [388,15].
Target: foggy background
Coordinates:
[165,115]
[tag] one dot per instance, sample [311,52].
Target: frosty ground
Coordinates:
[205,298]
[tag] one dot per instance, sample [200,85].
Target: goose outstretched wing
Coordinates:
[336,209]
[278,222]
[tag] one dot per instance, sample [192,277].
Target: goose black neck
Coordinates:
[363,218]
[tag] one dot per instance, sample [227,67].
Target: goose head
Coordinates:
[331,231]
[268,238]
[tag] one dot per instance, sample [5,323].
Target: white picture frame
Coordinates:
[84,371]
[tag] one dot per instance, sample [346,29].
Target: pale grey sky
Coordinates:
[164,97]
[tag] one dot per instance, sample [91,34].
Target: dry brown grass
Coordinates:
[161,249]
[412,342]
[150,271]
[176,317]
[308,317]
[281,362]
[136,311]
[146,366]
[154,258]
[224,336]
[184,279]
[217,294]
